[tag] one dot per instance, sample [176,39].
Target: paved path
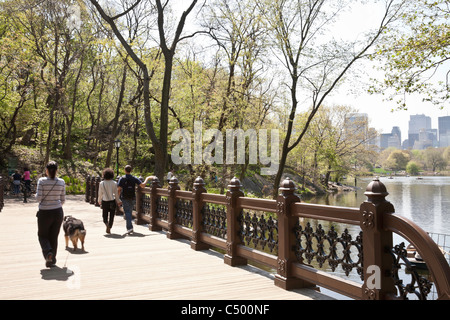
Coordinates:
[145,265]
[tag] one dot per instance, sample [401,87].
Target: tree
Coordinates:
[412,168]
[314,63]
[434,159]
[159,143]
[240,36]
[333,144]
[415,55]
[446,154]
[56,46]
[397,160]
[17,78]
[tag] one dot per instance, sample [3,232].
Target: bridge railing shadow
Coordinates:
[350,251]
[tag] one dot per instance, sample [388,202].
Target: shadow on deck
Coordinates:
[143,265]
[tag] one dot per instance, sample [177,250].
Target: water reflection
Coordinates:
[426,201]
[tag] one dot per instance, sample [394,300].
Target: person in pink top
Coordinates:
[27,178]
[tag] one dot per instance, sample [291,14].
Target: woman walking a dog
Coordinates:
[51,195]
[108,198]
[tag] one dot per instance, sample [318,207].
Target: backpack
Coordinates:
[128,188]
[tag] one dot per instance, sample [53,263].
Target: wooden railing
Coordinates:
[288,237]
[2,191]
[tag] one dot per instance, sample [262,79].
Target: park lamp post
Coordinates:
[117,145]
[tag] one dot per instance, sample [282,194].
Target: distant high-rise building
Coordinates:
[425,140]
[444,131]
[417,123]
[405,144]
[398,132]
[358,123]
[393,139]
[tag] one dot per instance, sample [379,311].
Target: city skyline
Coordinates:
[383,115]
[420,135]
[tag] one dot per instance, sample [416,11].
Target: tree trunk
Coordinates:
[115,130]
[164,114]
[285,150]
[52,102]
[68,144]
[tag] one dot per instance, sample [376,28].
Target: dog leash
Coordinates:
[65,262]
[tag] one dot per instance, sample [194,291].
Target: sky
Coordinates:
[380,113]
[381,116]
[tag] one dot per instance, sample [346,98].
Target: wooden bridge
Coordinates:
[195,245]
[144,265]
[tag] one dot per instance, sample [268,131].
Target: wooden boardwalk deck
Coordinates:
[145,265]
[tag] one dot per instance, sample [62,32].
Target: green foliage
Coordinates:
[412,168]
[414,53]
[74,185]
[435,160]
[333,145]
[60,89]
[397,160]
[380,171]
[431,159]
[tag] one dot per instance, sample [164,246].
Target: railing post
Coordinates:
[153,205]
[197,205]
[2,190]
[286,238]
[88,188]
[92,190]
[173,186]
[118,212]
[377,243]
[97,184]
[233,193]
[139,211]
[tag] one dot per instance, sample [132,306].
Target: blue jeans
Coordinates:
[16,187]
[128,205]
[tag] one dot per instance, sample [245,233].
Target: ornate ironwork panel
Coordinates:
[162,208]
[329,247]
[258,232]
[214,220]
[418,285]
[146,203]
[183,213]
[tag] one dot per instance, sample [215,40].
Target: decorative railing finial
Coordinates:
[199,182]
[173,184]
[173,180]
[199,185]
[234,184]
[376,191]
[287,186]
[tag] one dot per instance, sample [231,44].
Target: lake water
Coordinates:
[426,202]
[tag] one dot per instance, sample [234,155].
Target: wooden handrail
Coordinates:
[257,204]
[179,194]
[327,213]
[375,217]
[427,249]
[1,193]
[213,198]
[162,192]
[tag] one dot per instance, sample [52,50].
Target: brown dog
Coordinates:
[74,229]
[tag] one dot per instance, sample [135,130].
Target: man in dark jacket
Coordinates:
[127,190]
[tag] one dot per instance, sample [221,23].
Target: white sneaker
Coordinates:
[130,231]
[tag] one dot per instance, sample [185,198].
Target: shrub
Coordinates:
[412,168]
